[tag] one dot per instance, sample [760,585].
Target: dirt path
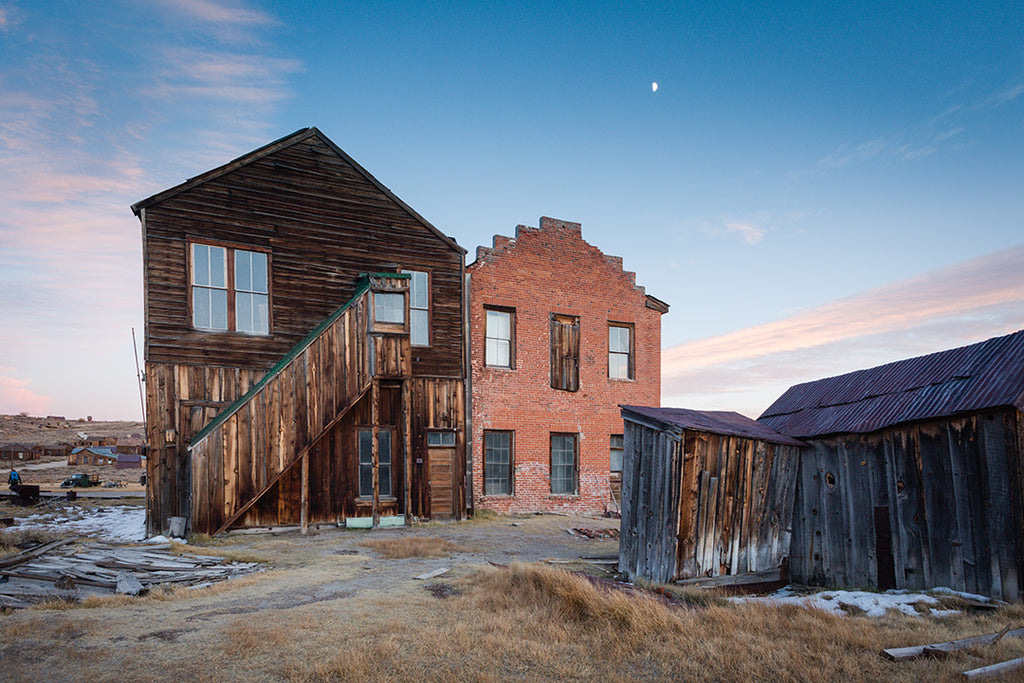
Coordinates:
[323,577]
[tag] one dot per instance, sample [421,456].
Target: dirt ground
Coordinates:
[49,472]
[330,607]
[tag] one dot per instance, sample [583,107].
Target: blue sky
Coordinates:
[813,188]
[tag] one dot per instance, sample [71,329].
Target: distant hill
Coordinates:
[53,431]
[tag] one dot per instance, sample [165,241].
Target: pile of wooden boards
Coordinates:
[899,654]
[57,571]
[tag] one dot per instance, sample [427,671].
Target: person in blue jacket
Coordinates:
[14,479]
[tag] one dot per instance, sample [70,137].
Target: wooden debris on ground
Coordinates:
[52,572]
[899,654]
[594,533]
[993,670]
[433,574]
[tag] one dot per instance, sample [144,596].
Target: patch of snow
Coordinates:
[840,602]
[165,539]
[119,523]
[943,590]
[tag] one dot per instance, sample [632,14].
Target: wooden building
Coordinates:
[305,352]
[913,476]
[18,452]
[704,493]
[93,455]
[561,335]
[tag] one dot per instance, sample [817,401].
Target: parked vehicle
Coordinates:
[79,480]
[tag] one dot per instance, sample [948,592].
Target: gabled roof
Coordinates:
[287,141]
[981,376]
[725,423]
[108,451]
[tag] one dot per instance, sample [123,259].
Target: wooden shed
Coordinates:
[704,493]
[305,351]
[913,474]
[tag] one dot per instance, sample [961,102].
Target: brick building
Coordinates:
[560,336]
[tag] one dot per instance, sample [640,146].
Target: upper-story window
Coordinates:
[389,307]
[565,352]
[499,350]
[419,308]
[620,351]
[235,298]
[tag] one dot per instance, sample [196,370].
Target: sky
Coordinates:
[813,188]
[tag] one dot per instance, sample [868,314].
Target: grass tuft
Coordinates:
[413,546]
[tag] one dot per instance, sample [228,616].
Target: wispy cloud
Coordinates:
[751,234]
[945,308]
[221,12]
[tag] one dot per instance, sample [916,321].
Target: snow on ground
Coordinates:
[872,604]
[118,523]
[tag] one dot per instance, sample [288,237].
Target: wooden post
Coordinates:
[375,419]
[407,441]
[304,513]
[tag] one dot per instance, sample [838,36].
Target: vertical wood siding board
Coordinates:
[626,519]
[654,481]
[688,505]
[1014,442]
[1000,515]
[962,495]
[852,493]
[938,484]
[909,514]
[645,498]
[764,520]
[830,564]
[977,477]
[789,463]
[723,510]
[666,515]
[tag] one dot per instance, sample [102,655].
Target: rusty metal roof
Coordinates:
[726,423]
[989,374]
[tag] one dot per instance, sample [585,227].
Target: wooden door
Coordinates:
[441,474]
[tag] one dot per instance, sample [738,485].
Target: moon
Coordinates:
[654,86]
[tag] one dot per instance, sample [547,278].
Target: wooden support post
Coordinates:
[304,513]
[407,444]
[375,419]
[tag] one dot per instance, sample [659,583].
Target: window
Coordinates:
[419,309]
[500,345]
[497,463]
[563,463]
[388,307]
[615,449]
[565,352]
[235,299]
[441,439]
[366,462]
[620,351]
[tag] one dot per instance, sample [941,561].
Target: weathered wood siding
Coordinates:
[324,223]
[437,404]
[651,477]
[949,492]
[697,504]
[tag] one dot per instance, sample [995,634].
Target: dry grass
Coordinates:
[226,553]
[13,541]
[413,546]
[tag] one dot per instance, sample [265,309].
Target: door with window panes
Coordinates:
[441,471]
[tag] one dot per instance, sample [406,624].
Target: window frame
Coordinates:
[621,449]
[575,464]
[413,307]
[390,464]
[511,313]
[630,353]
[510,465]
[565,378]
[229,288]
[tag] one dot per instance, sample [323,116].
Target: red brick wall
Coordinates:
[539,272]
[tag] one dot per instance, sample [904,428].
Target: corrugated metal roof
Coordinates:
[726,423]
[989,374]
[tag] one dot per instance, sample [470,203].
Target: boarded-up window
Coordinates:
[620,351]
[366,462]
[563,463]
[497,463]
[565,352]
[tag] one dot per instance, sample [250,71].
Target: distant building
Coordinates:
[93,455]
[18,452]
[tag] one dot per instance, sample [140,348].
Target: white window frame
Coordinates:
[493,343]
[419,307]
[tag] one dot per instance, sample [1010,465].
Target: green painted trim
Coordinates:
[364,286]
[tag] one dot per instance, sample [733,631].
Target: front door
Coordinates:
[441,474]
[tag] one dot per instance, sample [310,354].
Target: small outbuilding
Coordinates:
[913,476]
[704,493]
[93,455]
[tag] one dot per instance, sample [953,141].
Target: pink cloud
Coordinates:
[15,396]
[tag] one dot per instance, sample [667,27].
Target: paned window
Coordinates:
[497,463]
[441,439]
[615,450]
[563,463]
[565,352]
[499,351]
[620,352]
[236,298]
[388,307]
[366,462]
[419,308]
